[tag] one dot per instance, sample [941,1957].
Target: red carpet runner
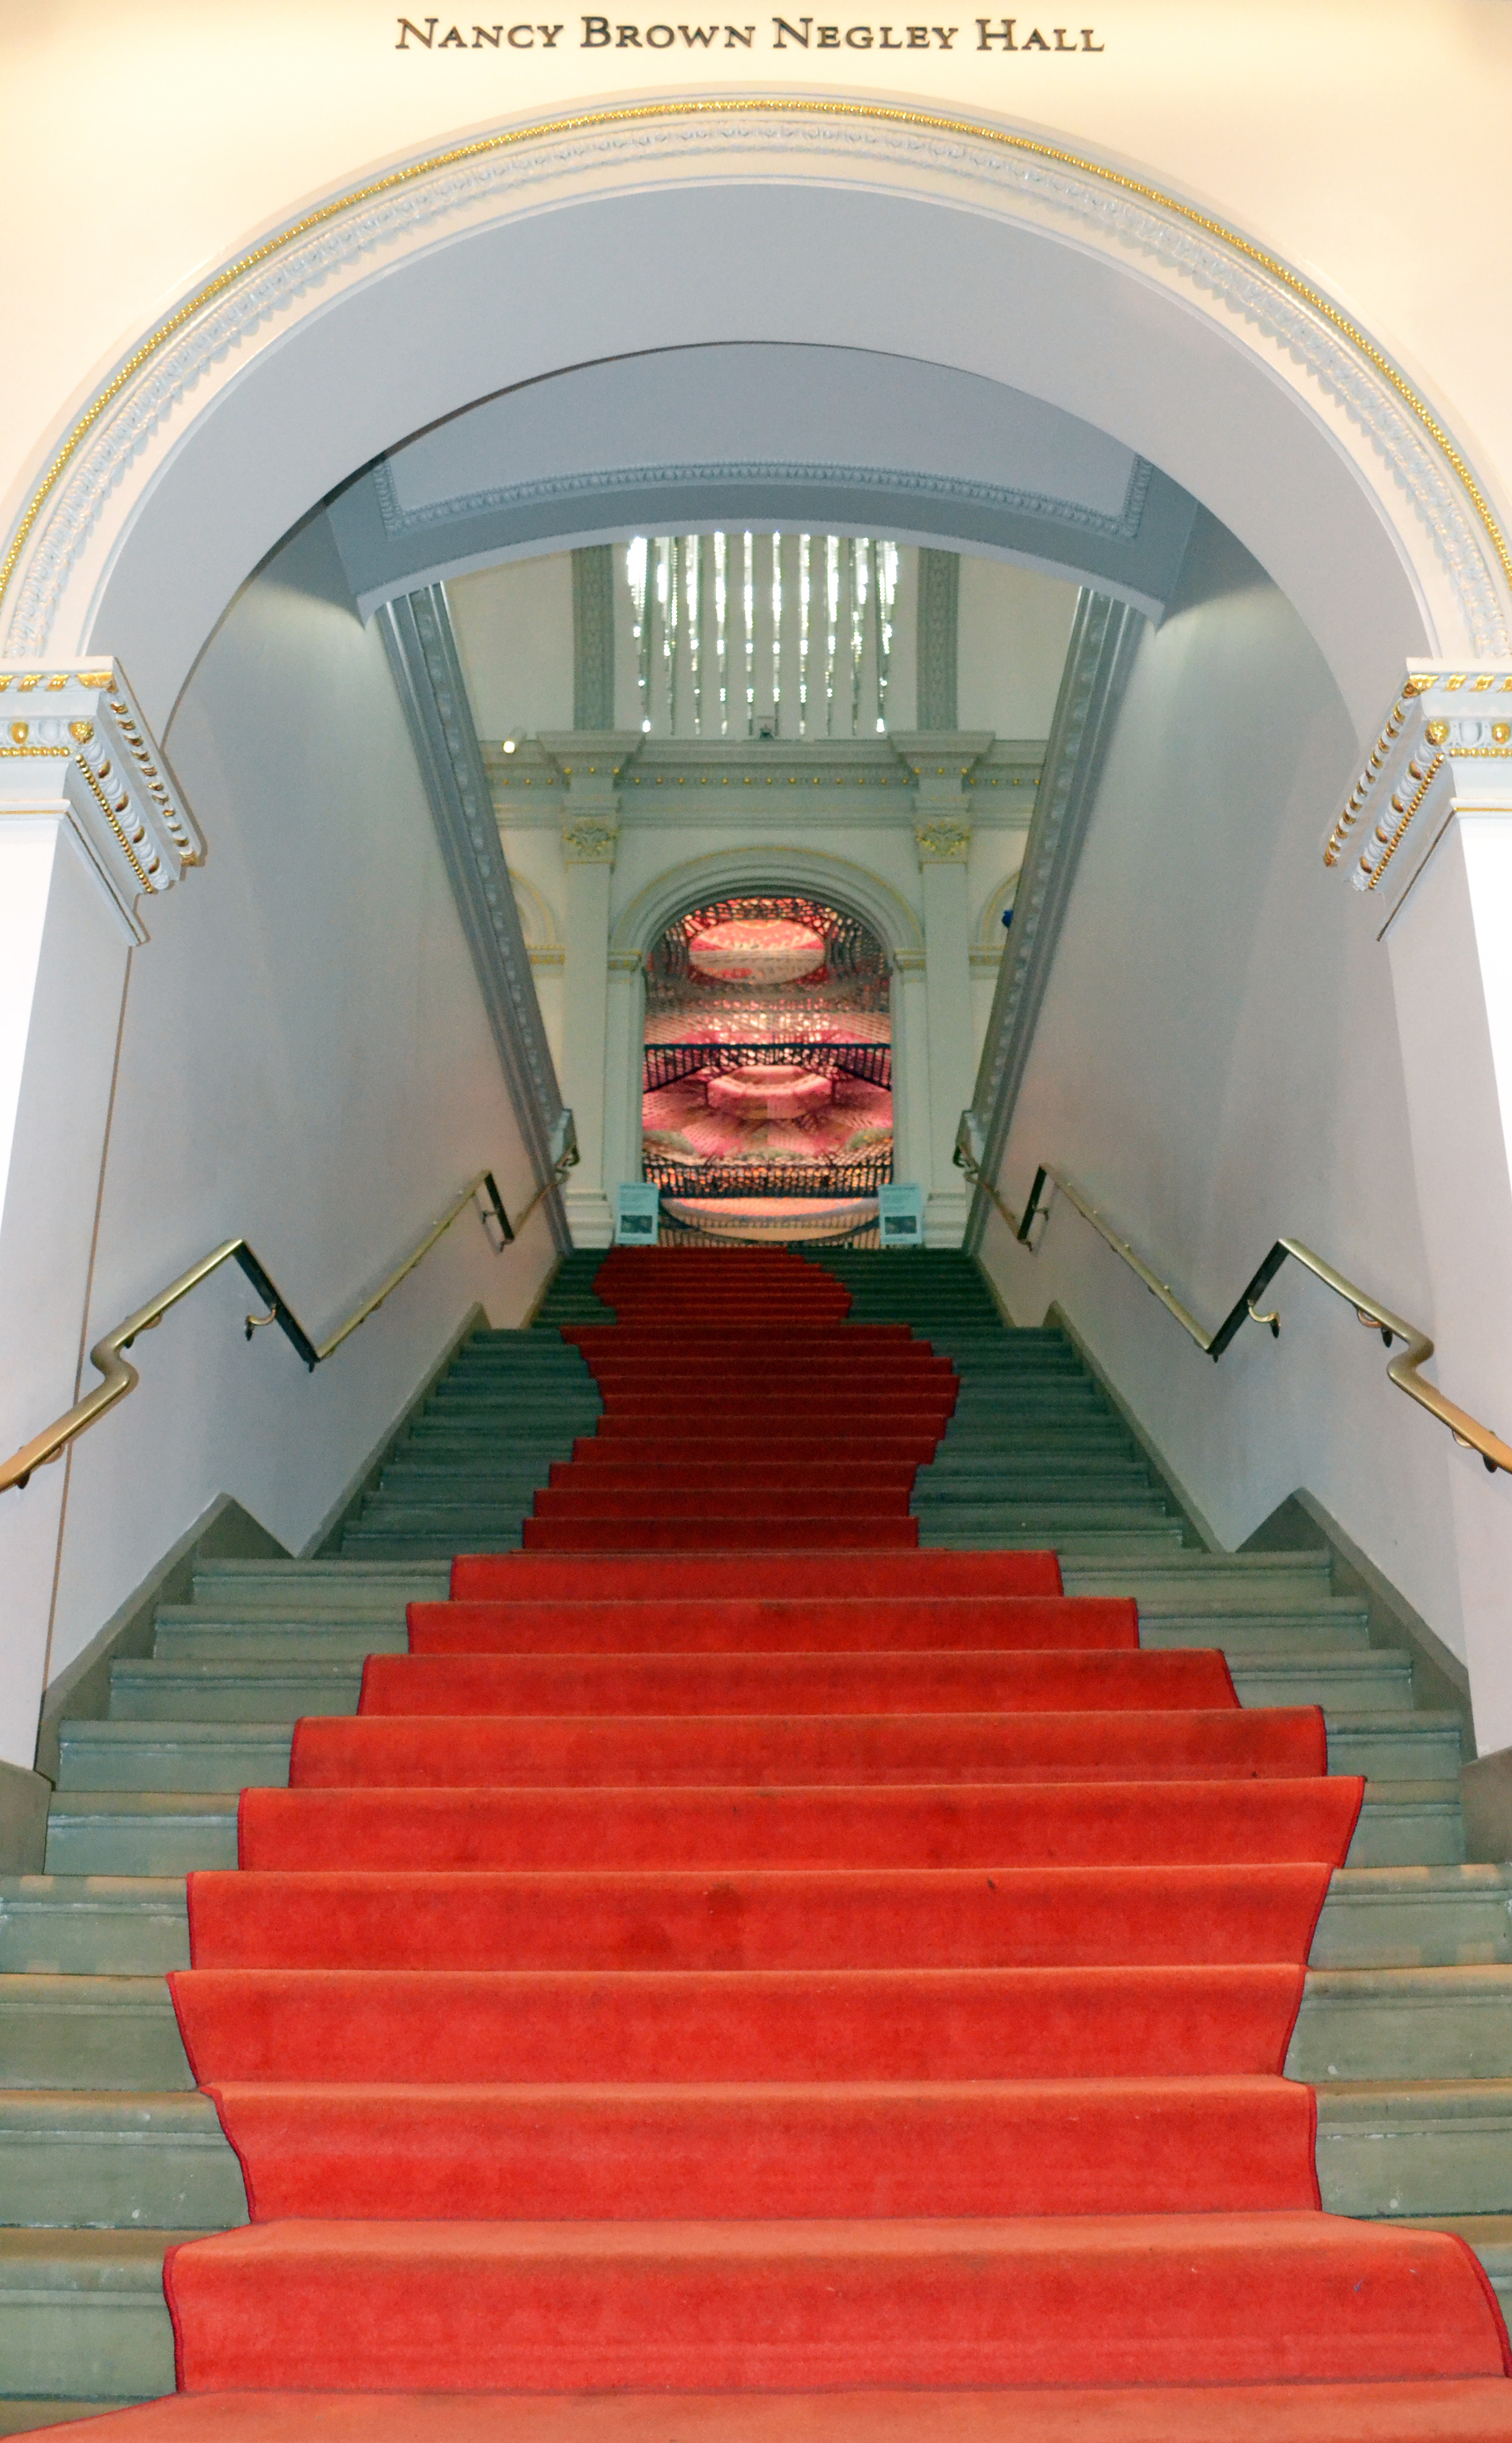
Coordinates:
[789,1982]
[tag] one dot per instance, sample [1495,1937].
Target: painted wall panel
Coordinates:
[305,1059]
[1217,1064]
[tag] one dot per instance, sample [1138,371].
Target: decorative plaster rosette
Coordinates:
[1013,175]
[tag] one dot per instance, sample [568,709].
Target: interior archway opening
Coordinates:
[766,1094]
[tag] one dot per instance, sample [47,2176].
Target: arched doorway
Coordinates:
[767,1076]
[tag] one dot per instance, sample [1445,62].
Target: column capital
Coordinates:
[78,738]
[590,762]
[590,839]
[944,839]
[1445,747]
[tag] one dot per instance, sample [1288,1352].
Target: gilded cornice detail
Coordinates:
[79,735]
[1444,748]
[1019,175]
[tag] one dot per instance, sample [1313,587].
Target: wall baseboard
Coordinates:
[224,1532]
[24,1798]
[1486,1794]
[1440,1679]
[1195,1529]
[325,1543]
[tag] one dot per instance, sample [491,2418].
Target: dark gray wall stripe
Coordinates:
[939,616]
[1105,640]
[592,637]
[422,652]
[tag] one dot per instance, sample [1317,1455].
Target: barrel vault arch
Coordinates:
[432,282]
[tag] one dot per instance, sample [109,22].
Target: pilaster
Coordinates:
[91,827]
[940,764]
[1425,838]
[74,746]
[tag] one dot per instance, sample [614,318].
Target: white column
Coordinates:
[624,1035]
[1427,838]
[911,1070]
[88,827]
[939,766]
[590,762]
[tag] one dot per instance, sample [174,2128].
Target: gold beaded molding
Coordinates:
[928,122]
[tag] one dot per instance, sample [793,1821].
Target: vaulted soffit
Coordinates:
[829,439]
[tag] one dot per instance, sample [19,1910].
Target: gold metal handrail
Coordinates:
[119,1376]
[1403,1371]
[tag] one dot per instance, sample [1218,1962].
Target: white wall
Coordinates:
[305,1058]
[1013,631]
[513,626]
[1217,1065]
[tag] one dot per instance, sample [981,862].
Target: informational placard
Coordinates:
[638,1213]
[900,1214]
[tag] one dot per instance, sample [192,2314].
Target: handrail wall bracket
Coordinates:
[119,1376]
[1404,1369]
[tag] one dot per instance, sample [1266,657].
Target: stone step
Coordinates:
[231,1692]
[91,2031]
[139,1832]
[162,1832]
[1416,1916]
[1402,2023]
[1406,1918]
[206,1757]
[1395,1746]
[108,2161]
[83,2314]
[92,1925]
[1244,1579]
[319,1588]
[1138,1545]
[366,1543]
[1284,1632]
[196,1639]
[1409,1823]
[1024,1476]
[1373,1678]
[105,2161]
[970,1522]
[1370,1678]
[1416,2146]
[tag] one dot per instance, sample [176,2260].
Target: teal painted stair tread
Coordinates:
[110,2161]
[83,2312]
[1407,2016]
[86,2032]
[124,1926]
[167,1755]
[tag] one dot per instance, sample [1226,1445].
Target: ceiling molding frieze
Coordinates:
[1283,317]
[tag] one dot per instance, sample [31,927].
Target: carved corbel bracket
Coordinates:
[80,738]
[1445,744]
[940,763]
[590,762]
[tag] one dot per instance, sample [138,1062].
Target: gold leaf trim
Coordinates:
[636,113]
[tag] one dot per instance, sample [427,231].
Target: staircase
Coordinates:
[106,2150]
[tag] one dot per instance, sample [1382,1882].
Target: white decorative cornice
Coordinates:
[1118,526]
[79,737]
[1445,745]
[1283,319]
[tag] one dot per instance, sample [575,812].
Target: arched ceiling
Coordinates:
[830,439]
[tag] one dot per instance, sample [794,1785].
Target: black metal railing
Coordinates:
[668,1064]
[861,1177]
